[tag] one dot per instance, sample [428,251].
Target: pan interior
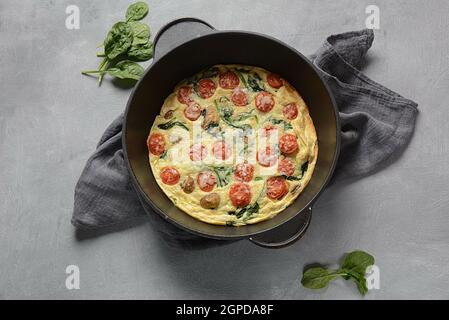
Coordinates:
[227,48]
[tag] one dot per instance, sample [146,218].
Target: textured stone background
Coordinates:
[51,118]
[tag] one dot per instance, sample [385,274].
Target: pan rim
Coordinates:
[143,195]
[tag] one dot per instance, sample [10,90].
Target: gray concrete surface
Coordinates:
[51,118]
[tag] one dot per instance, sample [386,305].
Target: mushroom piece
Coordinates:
[210,201]
[188,185]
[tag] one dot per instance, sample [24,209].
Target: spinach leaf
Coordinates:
[141,52]
[126,70]
[163,155]
[356,262]
[353,268]
[170,124]
[254,82]
[225,112]
[248,211]
[123,70]
[136,11]
[223,175]
[125,41]
[118,40]
[141,32]
[291,178]
[317,278]
[304,168]
[287,125]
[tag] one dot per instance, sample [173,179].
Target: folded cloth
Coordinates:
[377,125]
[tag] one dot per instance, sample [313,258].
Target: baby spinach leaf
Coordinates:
[141,52]
[137,11]
[118,40]
[317,278]
[254,82]
[170,124]
[141,32]
[353,268]
[163,155]
[249,210]
[126,70]
[357,262]
[304,168]
[291,178]
[223,175]
[287,125]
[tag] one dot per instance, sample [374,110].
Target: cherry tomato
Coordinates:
[206,180]
[288,143]
[156,144]
[276,188]
[244,172]
[170,175]
[228,80]
[264,101]
[240,194]
[274,81]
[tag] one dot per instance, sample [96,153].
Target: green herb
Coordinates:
[118,40]
[287,125]
[258,178]
[141,51]
[136,11]
[291,178]
[123,70]
[254,82]
[226,111]
[223,175]
[170,124]
[353,268]
[163,155]
[304,168]
[248,211]
[127,40]
[246,115]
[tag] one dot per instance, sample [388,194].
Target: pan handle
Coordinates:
[285,234]
[177,32]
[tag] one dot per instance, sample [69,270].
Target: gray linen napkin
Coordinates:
[377,125]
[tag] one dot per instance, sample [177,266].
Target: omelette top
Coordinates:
[233,145]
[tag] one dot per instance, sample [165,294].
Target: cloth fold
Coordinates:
[377,125]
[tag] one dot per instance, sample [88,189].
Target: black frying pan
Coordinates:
[183,48]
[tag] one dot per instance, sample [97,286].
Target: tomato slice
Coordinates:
[239,97]
[276,188]
[221,150]
[240,194]
[197,152]
[206,88]
[274,81]
[192,111]
[290,111]
[156,144]
[244,172]
[184,94]
[206,180]
[264,101]
[288,143]
[267,157]
[228,80]
[286,166]
[170,175]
